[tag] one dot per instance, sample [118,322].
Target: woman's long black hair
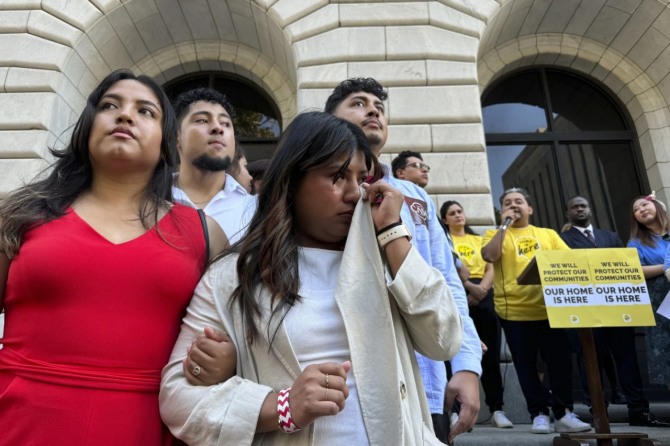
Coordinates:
[268,254]
[443,214]
[46,199]
[643,233]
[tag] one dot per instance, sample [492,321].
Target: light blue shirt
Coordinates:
[232,207]
[429,239]
[652,255]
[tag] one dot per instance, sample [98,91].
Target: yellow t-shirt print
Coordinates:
[516,302]
[465,252]
[526,246]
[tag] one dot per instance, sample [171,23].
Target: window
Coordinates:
[559,134]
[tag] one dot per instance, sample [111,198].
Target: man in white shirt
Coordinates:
[361,102]
[206,144]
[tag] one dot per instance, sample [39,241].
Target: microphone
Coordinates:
[506,223]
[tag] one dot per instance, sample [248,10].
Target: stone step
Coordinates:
[520,434]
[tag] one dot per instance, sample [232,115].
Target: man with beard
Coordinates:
[206,144]
[361,102]
[619,340]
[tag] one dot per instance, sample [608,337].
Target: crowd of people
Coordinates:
[191,296]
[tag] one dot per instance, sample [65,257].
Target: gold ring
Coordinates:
[325,396]
[326,380]
[196,370]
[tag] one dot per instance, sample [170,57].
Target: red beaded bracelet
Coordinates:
[284,417]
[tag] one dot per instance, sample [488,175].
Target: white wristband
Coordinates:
[395,232]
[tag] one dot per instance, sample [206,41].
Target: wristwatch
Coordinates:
[395,231]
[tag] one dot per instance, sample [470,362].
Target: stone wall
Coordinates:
[435,57]
[53,53]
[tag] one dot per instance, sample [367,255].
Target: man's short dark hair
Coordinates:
[353,85]
[257,168]
[572,198]
[187,98]
[517,190]
[400,161]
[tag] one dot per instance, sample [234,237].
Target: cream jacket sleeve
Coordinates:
[427,307]
[419,292]
[223,414]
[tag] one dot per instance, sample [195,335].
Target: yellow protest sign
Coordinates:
[594,288]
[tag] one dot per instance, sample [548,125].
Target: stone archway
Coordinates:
[630,63]
[54,53]
[187,57]
[165,41]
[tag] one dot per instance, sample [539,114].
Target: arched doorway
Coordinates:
[257,118]
[559,134]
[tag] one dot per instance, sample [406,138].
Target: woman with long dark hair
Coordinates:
[96,269]
[649,228]
[324,313]
[479,288]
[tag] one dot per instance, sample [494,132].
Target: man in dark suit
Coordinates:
[620,340]
[582,234]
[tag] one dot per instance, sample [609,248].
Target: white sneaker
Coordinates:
[571,423]
[453,419]
[541,425]
[499,419]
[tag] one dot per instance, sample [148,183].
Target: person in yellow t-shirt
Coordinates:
[523,315]
[479,288]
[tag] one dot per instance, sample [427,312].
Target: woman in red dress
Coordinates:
[97,266]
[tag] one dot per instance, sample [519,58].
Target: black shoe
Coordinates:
[618,398]
[645,419]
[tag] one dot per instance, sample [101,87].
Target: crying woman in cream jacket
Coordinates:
[385,318]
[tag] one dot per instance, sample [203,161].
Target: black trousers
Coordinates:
[441,426]
[525,340]
[621,342]
[487,324]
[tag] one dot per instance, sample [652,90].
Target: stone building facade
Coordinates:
[436,58]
